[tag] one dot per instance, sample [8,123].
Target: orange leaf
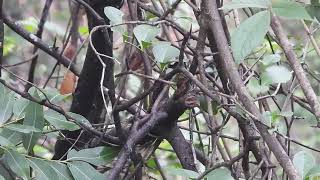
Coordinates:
[68,84]
[69,81]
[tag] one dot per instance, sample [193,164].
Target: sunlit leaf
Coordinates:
[83,30]
[9,45]
[30,24]
[249,35]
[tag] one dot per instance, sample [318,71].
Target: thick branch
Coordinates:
[182,148]
[87,97]
[216,28]
[296,66]
[135,136]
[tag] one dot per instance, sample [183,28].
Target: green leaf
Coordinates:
[289,9]
[271,118]
[109,153]
[30,24]
[19,108]
[84,171]
[125,37]
[96,156]
[2,178]
[313,173]
[271,59]
[303,162]
[83,30]
[145,44]
[9,45]
[145,33]
[256,88]
[249,35]
[17,163]
[34,118]
[247,3]
[26,129]
[80,119]
[43,170]
[151,164]
[61,169]
[182,172]
[13,136]
[314,11]
[113,14]
[5,142]
[164,52]
[53,95]
[277,74]
[220,173]
[59,121]
[6,104]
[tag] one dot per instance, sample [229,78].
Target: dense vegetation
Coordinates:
[199,89]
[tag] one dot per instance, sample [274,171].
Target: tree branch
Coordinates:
[229,66]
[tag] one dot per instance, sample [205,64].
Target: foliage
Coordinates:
[175,104]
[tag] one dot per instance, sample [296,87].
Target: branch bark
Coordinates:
[297,68]
[87,99]
[229,66]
